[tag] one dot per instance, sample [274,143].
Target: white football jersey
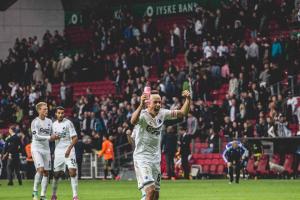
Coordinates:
[147,135]
[65,129]
[41,131]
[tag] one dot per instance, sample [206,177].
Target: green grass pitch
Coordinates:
[177,190]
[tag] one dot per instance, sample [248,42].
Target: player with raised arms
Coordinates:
[64,154]
[148,127]
[41,129]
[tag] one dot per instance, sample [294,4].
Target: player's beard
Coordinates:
[156,110]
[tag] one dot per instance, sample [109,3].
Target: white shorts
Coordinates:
[41,159]
[60,162]
[147,174]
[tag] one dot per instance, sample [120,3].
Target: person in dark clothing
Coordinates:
[169,146]
[185,151]
[233,156]
[79,150]
[11,153]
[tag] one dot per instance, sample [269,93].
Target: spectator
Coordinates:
[233,85]
[213,142]
[192,124]
[276,50]
[282,130]
[62,91]
[222,49]
[38,75]
[262,128]
[169,146]
[185,151]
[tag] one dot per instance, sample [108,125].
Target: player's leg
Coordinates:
[185,166]
[139,181]
[143,194]
[74,182]
[230,171]
[17,164]
[156,195]
[47,167]
[39,165]
[9,168]
[106,166]
[56,176]
[150,191]
[111,169]
[59,167]
[237,171]
[72,166]
[147,179]
[156,171]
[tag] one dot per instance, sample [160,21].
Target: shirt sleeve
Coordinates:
[246,152]
[72,130]
[36,133]
[141,118]
[169,114]
[225,155]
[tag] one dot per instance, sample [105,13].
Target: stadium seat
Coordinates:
[220,169]
[262,168]
[221,161]
[200,162]
[214,161]
[205,169]
[288,164]
[250,167]
[216,155]
[209,156]
[213,169]
[207,162]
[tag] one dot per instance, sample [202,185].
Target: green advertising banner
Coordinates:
[73,18]
[165,8]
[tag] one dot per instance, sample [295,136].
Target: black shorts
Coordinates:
[108,163]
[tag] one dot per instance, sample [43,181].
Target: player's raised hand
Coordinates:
[143,99]
[186,94]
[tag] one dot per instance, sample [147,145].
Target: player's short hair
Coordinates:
[59,108]
[154,92]
[39,105]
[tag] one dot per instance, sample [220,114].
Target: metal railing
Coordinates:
[289,84]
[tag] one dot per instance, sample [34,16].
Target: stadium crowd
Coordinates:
[215,51]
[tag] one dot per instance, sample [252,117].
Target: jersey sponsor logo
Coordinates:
[153,130]
[45,130]
[63,132]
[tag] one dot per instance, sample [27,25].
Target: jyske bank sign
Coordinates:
[158,10]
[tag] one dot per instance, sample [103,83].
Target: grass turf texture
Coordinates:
[181,190]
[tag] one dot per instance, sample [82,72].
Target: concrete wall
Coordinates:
[28,18]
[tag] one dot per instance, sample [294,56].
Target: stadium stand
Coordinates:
[236,70]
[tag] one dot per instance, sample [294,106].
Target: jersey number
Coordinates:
[73,162]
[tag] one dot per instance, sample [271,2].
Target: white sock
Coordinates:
[44,185]
[37,181]
[74,185]
[54,186]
